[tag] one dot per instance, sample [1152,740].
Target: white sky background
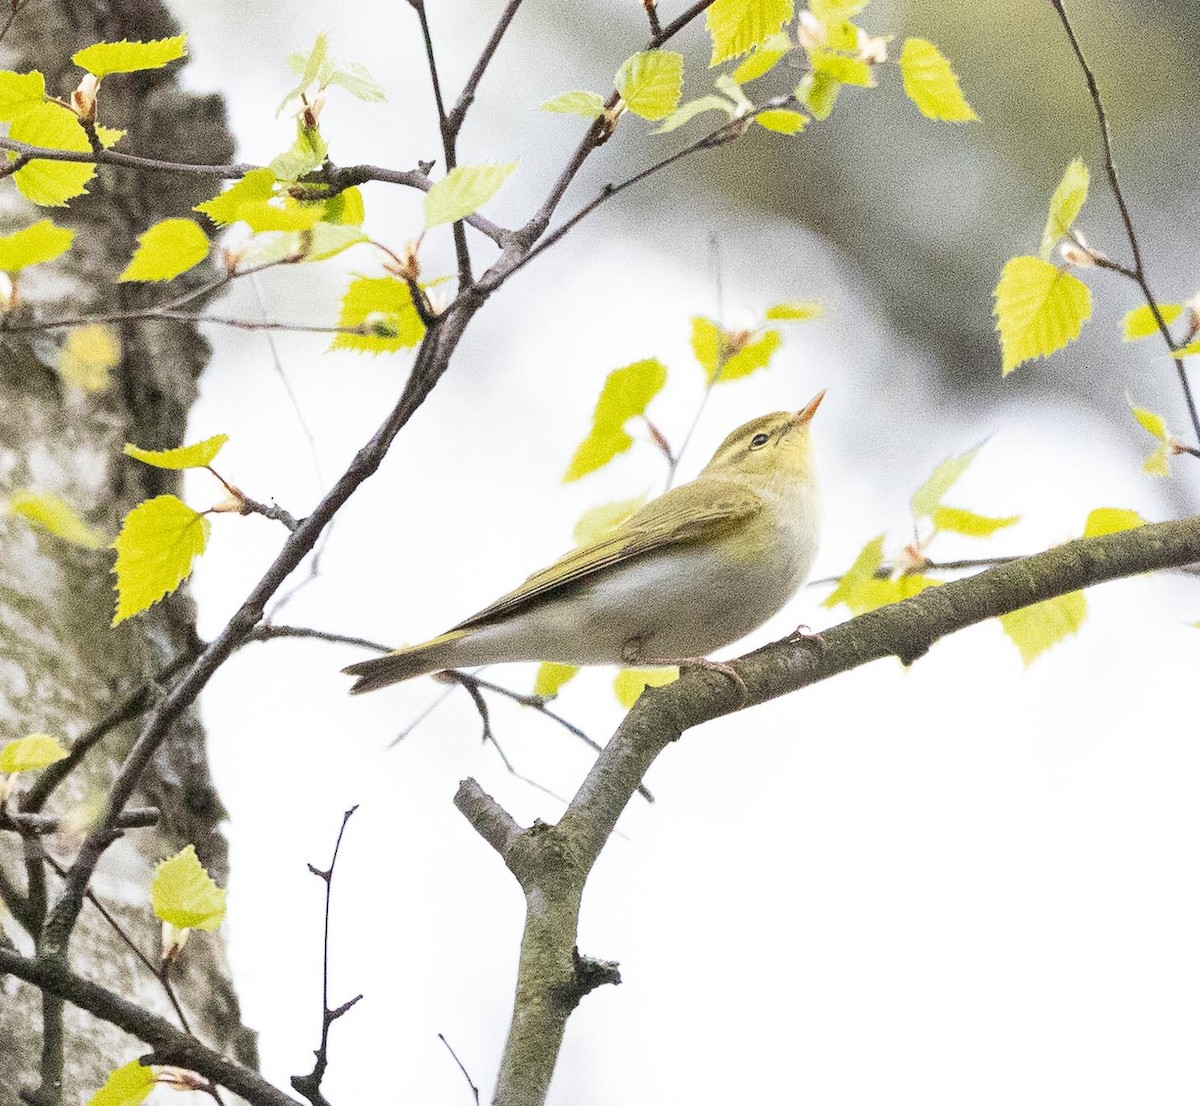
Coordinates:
[967,881]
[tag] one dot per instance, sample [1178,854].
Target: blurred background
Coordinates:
[965,880]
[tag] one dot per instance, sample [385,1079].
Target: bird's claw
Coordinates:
[718,666]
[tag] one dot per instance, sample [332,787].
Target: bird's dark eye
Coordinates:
[759,440]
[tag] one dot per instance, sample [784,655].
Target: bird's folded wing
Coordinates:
[694,512]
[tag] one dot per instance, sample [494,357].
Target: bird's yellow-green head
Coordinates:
[770,449]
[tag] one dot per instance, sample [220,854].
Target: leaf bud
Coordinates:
[173,940]
[1076,255]
[812,31]
[83,99]
[874,51]
[9,295]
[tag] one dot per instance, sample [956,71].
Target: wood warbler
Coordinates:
[691,571]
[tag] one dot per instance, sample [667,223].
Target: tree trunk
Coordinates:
[62,668]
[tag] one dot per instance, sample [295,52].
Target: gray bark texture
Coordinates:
[62,668]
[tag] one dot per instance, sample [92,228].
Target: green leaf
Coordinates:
[357,80]
[344,209]
[51,183]
[127,1086]
[651,83]
[305,155]
[968,523]
[1159,462]
[1140,322]
[742,104]
[463,191]
[1065,205]
[1154,425]
[281,214]
[130,57]
[928,497]
[184,895]
[707,344]
[687,112]
[308,66]
[796,311]
[781,121]
[598,522]
[87,355]
[255,187]
[752,356]
[317,66]
[879,592]
[168,248]
[1111,520]
[384,304]
[866,564]
[327,240]
[56,516]
[588,104]
[625,394]
[19,93]
[765,57]
[1035,629]
[737,26]
[631,682]
[818,92]
[109,136]
[41,242]
[196,456]
[551,678]
[840,68]
[1190,350]
[29,754]
[158,542]
[1039,309]
[930,83]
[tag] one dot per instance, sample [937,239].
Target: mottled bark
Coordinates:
[61,665]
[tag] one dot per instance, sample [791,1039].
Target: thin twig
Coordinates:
[461,1066]
[1110,166]
[449,135]
[338,178]
[726,132]
[467,97]
[310,1085]
[472,689]
[129,943]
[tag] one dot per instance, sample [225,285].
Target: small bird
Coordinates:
[693,570]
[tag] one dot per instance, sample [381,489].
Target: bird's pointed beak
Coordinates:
[806,412]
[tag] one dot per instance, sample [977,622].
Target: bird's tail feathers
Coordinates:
[434,655]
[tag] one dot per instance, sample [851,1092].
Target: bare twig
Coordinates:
[467,97]
[1138,272]
[41,825]
[310,1085]
[461,1066]
[449,133]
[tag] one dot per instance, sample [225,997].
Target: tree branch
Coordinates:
[552,863]
[1138,272]
[171,1045]
[431,362]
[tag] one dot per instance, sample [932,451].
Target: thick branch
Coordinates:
[553,862]
[172,1046]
